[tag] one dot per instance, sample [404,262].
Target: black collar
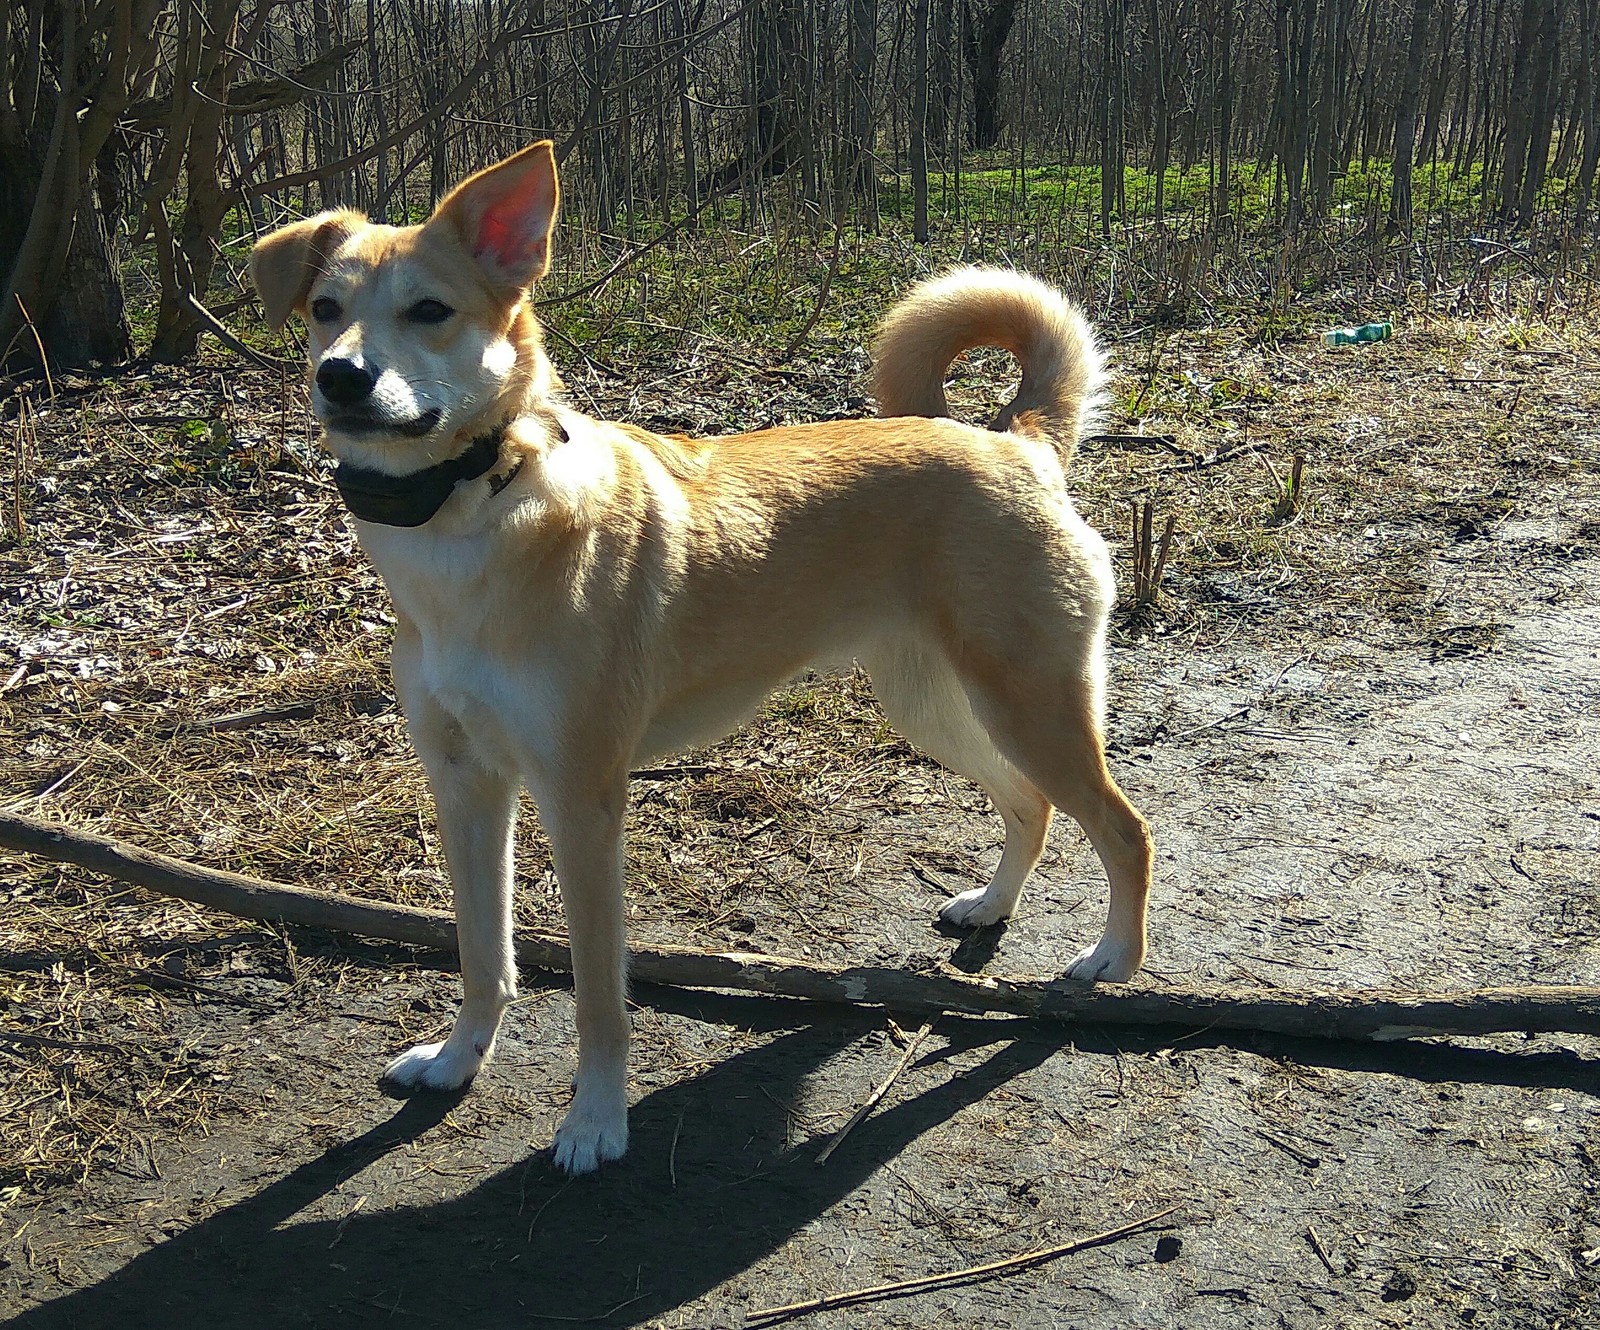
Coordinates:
[412,500]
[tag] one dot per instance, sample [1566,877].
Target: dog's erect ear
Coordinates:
[286,263]
[505,215]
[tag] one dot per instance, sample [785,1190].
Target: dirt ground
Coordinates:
[1363,732]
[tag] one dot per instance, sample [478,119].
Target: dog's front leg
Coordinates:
[585,829]
[477,810]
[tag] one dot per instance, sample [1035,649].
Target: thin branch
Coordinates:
[860,1115]
[972,1274]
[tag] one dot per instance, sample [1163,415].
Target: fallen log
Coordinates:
[1377,1014]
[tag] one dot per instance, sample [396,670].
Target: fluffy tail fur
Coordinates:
[1062,369]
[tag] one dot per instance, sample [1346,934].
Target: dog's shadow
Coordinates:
[710,1186]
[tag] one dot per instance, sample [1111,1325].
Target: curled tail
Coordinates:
[1062,368]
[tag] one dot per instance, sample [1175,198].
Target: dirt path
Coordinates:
[1362,797]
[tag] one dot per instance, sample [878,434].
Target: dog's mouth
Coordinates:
[362,424]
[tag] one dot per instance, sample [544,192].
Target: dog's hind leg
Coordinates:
[1045,717]
[582,811]
[924,700]
[477,810]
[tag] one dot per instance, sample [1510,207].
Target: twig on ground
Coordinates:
[1321,1251]
[1213,724]
[1217,458]
[1301,1157]
[156,979]
[243,720]
[44,1041]
[860,1115]
[676,772]
[926,874]
[672,1155]
[27,434]
[974,1273]
[799,339]
[60,782]
[1167,441]
[1376,1014]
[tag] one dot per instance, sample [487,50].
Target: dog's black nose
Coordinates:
[344,383]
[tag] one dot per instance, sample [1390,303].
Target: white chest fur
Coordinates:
[485,673]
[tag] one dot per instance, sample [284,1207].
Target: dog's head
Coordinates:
[421,336]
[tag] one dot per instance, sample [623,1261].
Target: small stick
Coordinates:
[59,782]
[1161,558]
[38,343]
[1149,565]
[676,772]
[1321,1251]
[243,720]
[860,1115]
[769,1315]
[924,873]
[1301,1157]
[1146,545]
[1166,441]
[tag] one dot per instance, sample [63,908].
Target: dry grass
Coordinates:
[174,554]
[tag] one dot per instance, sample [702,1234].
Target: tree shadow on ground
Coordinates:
[710,1186]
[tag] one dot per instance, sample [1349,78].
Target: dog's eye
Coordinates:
[324,310]
[429,311]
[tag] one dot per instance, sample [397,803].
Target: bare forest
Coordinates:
[166,135]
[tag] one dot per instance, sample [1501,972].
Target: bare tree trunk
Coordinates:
[1223,204]
[1113,14]
[919,122]
[1405,120]
[1328,155]
[1439,84]
[380,112]
[771,141]
[1158,60]
[1542,109]
[942,72]
[988,24]
[691,179]
[860,176]
[1589,110]
[68,79]
[1519,109]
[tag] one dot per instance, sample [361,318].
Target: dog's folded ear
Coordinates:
[287,262]
[504,216]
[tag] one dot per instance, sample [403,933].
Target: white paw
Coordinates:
[434,1067]
[591,1133]
[1109,961]
[973,909]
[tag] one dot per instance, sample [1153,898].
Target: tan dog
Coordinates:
[575,597]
